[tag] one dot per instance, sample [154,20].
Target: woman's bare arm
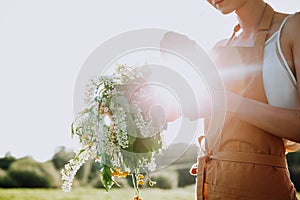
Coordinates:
[281,122]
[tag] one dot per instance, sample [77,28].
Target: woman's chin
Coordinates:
[225,11]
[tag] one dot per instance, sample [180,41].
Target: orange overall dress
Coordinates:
[246,162]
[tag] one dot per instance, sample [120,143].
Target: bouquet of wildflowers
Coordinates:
[115,131]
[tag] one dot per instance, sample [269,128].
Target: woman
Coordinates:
[248,160]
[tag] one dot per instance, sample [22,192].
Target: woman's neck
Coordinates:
[249,15]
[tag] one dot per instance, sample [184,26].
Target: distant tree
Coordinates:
[26,172]
[165,179]
[6,181]
[293,160]
[61,157]
[6,161]
[188,158]
[181,156]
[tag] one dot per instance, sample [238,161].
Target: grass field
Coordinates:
[96,194]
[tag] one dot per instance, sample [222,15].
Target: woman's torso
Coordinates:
[248,162]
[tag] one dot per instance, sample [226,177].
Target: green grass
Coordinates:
[95,194]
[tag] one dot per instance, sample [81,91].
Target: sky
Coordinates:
[43,45]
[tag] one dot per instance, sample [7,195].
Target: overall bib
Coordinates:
[244,161]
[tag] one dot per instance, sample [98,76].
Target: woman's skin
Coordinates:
[281,122]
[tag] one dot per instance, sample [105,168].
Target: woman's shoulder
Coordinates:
[292,27]
[295,18]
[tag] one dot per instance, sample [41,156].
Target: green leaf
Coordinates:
[106,177]
[131,141]
[77,156]
[72,129]
[140,147]
[81,151]
[147,145]
[132,132]
[131,127]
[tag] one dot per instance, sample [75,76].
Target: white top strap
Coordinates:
[281,53]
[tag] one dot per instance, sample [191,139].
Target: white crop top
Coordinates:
[279,82]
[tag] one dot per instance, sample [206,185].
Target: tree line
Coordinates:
[28,173]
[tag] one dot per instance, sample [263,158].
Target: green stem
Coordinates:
[135,184]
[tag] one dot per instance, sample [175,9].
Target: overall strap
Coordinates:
[264,27]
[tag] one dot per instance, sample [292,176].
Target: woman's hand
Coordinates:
[156,103]
[193,106]
[282,122]
[177,42]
